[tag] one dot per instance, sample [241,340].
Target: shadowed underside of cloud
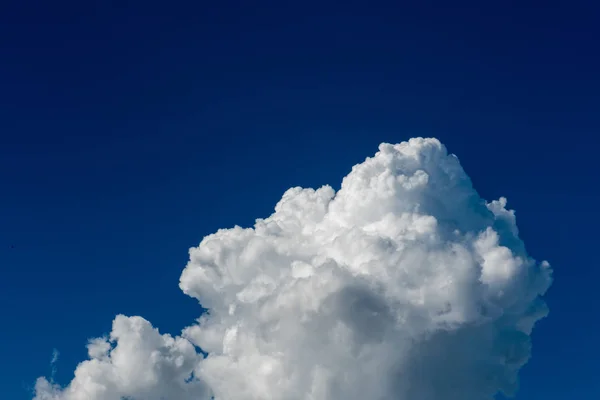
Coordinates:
[404,284]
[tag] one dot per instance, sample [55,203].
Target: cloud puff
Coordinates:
[404,284]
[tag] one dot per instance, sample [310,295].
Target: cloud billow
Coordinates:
[404,284]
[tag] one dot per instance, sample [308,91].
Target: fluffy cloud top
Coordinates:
[404,284]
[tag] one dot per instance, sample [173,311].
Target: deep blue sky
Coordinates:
[128,132]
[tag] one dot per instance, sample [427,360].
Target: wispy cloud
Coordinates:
[53,362]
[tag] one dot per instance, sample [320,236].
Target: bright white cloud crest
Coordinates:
[404,285]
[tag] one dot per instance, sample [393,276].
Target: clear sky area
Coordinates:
[129,131]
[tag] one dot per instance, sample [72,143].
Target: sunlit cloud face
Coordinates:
[404,284]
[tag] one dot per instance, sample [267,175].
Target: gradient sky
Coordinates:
[130,131]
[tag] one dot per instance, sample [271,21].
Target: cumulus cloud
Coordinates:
[404,284]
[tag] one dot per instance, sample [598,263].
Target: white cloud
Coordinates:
[404,284]
[135,361]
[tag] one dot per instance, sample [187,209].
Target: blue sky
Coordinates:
[130,132]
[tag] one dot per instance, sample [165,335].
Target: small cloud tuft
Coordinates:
[53,362]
